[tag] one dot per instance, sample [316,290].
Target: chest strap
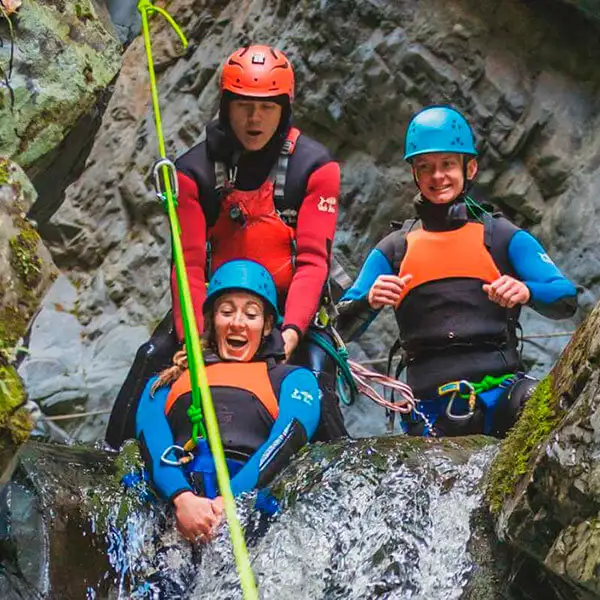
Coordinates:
[223,179]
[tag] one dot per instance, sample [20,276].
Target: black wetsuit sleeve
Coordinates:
[299,412]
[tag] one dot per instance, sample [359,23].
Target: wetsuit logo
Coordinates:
[545,258]
[327,204]
[303,396]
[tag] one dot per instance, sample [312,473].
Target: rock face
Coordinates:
[377,518]
[362,69]
[546,479]
[26,272]
[55,66]
[590,8]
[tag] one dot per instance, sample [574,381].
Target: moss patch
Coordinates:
[17,423]
[3,171]
[540,416]
[27,266]
[24,258]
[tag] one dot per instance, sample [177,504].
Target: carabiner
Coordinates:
[161,193]
[455,388]
[184,457]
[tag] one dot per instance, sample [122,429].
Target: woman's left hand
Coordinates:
[290,341]
[507,291]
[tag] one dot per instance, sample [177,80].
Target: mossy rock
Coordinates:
[26,272]
[544,411]
[68,53]
[540,416]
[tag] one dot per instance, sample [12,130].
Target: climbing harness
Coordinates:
[202,411]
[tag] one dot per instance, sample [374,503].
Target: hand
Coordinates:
[219,505]
[507,291]
[386,290]
[197,517]
[290,341]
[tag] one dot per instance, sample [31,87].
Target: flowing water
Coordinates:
[374,518]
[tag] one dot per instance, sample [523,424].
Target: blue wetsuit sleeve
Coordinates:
[376,264]
[154,434]
[296,423]
[552,294]
[355,313]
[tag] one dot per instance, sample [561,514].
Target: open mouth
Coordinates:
[236,342]
[254,133]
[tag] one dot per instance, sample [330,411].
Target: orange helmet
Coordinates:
[258,71]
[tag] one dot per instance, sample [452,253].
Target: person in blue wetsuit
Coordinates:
[266,410]
[457,277]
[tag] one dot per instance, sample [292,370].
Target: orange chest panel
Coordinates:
[257,233]
[251,377]
[435,255]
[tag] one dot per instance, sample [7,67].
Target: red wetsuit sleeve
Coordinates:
[314,238]
[193,240]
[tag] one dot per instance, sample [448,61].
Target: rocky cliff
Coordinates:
[362,69]
[57,59]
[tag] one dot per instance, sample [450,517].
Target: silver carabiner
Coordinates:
[172,172]
[184,457]
[449,412]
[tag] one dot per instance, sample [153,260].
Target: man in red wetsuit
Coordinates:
[257,188]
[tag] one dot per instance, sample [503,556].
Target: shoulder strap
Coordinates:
[282,164]
[400,247]
[220,176]
[408,225]
[488,229]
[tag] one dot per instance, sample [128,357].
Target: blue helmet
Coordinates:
[438,129]
[245,276]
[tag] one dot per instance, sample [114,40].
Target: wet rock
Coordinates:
[125,17]
[545,483]
[26,272]
[517,188]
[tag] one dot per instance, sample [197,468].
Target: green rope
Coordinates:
[340,357]
[201,397]
[489,382]
[475,208]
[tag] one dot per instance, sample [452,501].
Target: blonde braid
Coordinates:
[172,373]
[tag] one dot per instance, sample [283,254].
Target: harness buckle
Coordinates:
[159,187]
[184,456]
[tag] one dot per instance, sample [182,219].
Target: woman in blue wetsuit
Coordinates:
[457,277]
[266,410]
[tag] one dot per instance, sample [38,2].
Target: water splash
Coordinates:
[375,525]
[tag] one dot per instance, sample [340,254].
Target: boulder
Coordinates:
[545,481]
